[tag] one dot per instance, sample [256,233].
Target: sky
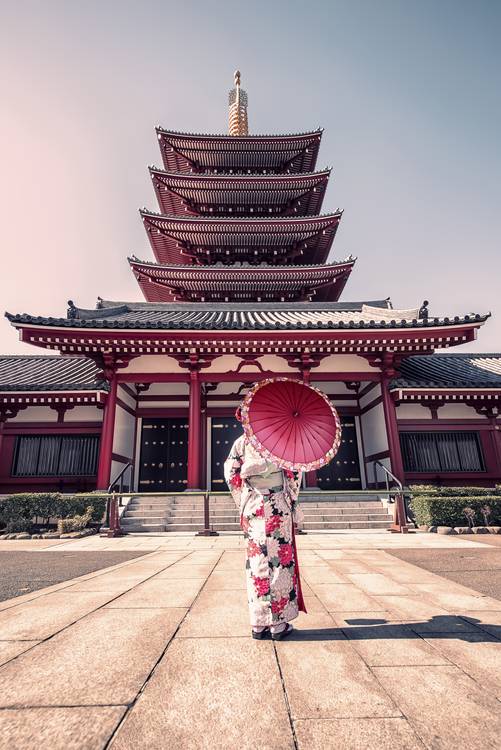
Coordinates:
[408,94]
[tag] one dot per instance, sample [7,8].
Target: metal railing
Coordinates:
[114,501]
[399,524]
[207,530]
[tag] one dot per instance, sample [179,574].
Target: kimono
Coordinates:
[266,518]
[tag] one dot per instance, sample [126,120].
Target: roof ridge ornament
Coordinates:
[237,118]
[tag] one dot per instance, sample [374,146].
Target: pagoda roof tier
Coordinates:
[131,328]
[240,195]
[465,370]
[204,240]
[190,152]
[243,282]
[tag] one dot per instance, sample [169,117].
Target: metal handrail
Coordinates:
[401,516]
[119,476]
[388,473]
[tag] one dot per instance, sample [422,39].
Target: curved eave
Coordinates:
[167,283]
[189,240]
[219,335]
[277,195]
[186,152]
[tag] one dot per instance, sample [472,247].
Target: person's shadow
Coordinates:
[439,626]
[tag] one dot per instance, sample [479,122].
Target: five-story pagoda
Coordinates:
[240,219]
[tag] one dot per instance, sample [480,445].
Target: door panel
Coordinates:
[164,455]
[224,432]
[343,472]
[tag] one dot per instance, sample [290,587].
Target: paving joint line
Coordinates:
[79,619]
[143,687]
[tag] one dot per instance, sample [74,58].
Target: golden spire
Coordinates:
[238,124]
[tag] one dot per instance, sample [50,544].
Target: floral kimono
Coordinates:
[267,515]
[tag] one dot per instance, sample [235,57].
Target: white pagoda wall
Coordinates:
[123,437]
[374,435]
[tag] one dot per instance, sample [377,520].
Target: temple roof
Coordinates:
[162,283]
[259,195]
[469,370]
[196,239]
[49,373]
[226,316]
[187,152]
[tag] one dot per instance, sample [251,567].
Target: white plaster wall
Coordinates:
[153,363]
[374,430]
[167,389]
[84,414]
[413,411]
[36,414]
[345,363]
[123,438]
[333,387]
[367,398]
[458,411]
[126,397]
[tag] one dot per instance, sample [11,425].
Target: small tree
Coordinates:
[470,515]
[486,512]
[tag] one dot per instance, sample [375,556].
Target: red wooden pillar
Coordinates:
[311,476]
[390,417]
[194,432]
[106,449]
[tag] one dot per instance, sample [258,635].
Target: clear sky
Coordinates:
[408,93]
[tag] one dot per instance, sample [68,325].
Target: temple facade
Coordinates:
[241,285]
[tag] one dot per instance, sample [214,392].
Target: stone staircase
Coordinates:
[185,512]
[344,510]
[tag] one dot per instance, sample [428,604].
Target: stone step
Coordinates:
[146,512]
[342,504]
[361,517]
[340,511]
[139,528]
[126,521]
[200,519]
[319,525]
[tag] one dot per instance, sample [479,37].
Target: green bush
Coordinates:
[433,490]
[30,506]
[436,510]
[17,525]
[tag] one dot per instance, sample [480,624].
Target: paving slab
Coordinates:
[343,596]
[160,592]
[217,615]
[356,734]
[477,654]
[222,700]
[328,679]
[226,580]
[44,616]
[76,728]
[392,645]
[489,622]
[378,583]
[455,598]
[11,649]
[103,659]
[182,571]
[321,574]
[446,708]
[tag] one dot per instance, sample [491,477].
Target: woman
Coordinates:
[267,499]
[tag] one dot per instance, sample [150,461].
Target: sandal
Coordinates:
[261,635]
[283,633]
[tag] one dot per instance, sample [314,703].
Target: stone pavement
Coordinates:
[156,652]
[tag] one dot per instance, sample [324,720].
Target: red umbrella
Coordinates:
[292,424]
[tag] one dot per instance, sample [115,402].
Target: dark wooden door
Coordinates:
[343,472]
[224,432]
[164,455]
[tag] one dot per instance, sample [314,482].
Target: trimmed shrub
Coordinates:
[30,506]
[17,525]
[436,510]
[432,490]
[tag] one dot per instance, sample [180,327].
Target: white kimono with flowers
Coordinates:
[266,518]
